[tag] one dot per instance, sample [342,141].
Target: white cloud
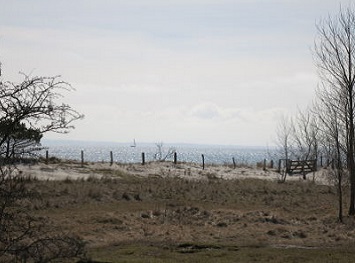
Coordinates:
[206,111]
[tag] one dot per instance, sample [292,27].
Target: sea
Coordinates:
[132,153]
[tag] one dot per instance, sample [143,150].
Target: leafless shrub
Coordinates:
[23,236]
[161,155]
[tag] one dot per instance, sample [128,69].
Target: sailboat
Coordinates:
[134,143]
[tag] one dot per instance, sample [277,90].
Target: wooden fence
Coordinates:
[263,164]
[302,167]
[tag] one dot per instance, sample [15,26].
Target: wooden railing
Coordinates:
[301,167]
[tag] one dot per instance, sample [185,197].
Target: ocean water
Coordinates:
[125,153]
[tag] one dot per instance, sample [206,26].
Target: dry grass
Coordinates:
[172,219]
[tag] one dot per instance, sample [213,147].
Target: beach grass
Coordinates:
[125,217]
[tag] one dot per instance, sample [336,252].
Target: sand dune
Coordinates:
[191,171]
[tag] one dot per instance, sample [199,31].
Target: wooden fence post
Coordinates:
[264,166]
[47,157]
[279,168]
[203,162]
[143,158]
[175,158]
[234,164]
[111,157]
[272,164]
[82,158]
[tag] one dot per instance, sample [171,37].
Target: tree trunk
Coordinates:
[352,189]
[351,151]
[340,193]
[339,176]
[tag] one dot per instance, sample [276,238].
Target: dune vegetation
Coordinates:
[122,216]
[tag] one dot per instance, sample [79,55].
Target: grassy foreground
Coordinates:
[128,218]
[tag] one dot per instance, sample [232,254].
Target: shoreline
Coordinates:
[125,153]
[64,170]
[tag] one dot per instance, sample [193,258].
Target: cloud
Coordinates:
[211,112]
[205,111]
[201,123]
[188,71]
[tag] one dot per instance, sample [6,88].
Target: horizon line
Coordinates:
[154,143]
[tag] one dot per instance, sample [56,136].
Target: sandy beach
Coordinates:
[74,170]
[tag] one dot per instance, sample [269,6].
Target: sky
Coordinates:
[179,71]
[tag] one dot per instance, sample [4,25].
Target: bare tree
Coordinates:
[331,128]
[305,135]
[161,155]
[284,143]
[31,108]
[28,110]
[297,138]
[335,58]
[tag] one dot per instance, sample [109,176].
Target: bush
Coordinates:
[24,237]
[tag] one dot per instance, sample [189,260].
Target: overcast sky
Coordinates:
[179,71]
